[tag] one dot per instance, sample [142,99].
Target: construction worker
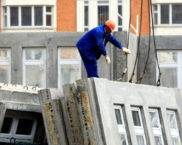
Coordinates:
[92,45]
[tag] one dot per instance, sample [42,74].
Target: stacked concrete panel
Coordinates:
[20,98]
[53,117]
[98,100]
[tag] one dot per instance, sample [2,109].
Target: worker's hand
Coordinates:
[126,50]
[108,61]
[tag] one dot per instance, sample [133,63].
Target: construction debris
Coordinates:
[98,112]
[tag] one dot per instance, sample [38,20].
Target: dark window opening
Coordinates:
[136,118]
[7,123]
[118,116]
[24,126]
[164,14]
[38,16]
[48,20]
[177,13]
[103,14]
[26,15]
[14,16]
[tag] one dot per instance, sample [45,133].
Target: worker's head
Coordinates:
[110,26]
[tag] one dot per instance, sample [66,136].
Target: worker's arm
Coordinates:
[115,42]
[100,42]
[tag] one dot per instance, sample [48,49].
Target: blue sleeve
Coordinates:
[100,42]
[114,41]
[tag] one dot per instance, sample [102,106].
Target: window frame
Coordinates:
[157,131]
[139,130]
[102,3]
[7,63]
[86,4]
[121,127]
[158,12]
[67,62]
[5,137]
[120,3]
[34,63]
[174,132]
[20,26]
[177,65]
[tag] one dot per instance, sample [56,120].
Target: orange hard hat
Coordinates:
[111,24]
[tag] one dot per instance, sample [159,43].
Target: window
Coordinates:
[5,65]
[38,16]
[34,68]
[138,126]
[48,16]
[19,126]
[24,126]
[14,16]
[86,15]
[120,13]
[164,14]
[69,65]
[121,124]
[156,126]
[171,68]
[177,13]
[155,14]
[28,16]
[167,14]
[103,11]
[172,125]
[7,123]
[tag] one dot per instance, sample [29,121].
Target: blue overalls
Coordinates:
[92,45]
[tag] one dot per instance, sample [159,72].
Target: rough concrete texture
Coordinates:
[53,117]
[20,98]
[96,99]
[71,115]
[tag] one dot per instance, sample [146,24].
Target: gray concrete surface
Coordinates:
[20,99]
[2,113]
[52,113]
[97,98]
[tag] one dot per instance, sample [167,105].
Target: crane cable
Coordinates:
[149,47]
[138,43]
[158,83]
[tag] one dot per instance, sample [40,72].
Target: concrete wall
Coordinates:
[51,41]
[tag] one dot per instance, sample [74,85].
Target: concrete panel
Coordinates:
[53,117]
[2,113]
[71,116]
[20,98]
[97,98]
[110,93]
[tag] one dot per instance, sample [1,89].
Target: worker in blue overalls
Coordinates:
[92,45]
